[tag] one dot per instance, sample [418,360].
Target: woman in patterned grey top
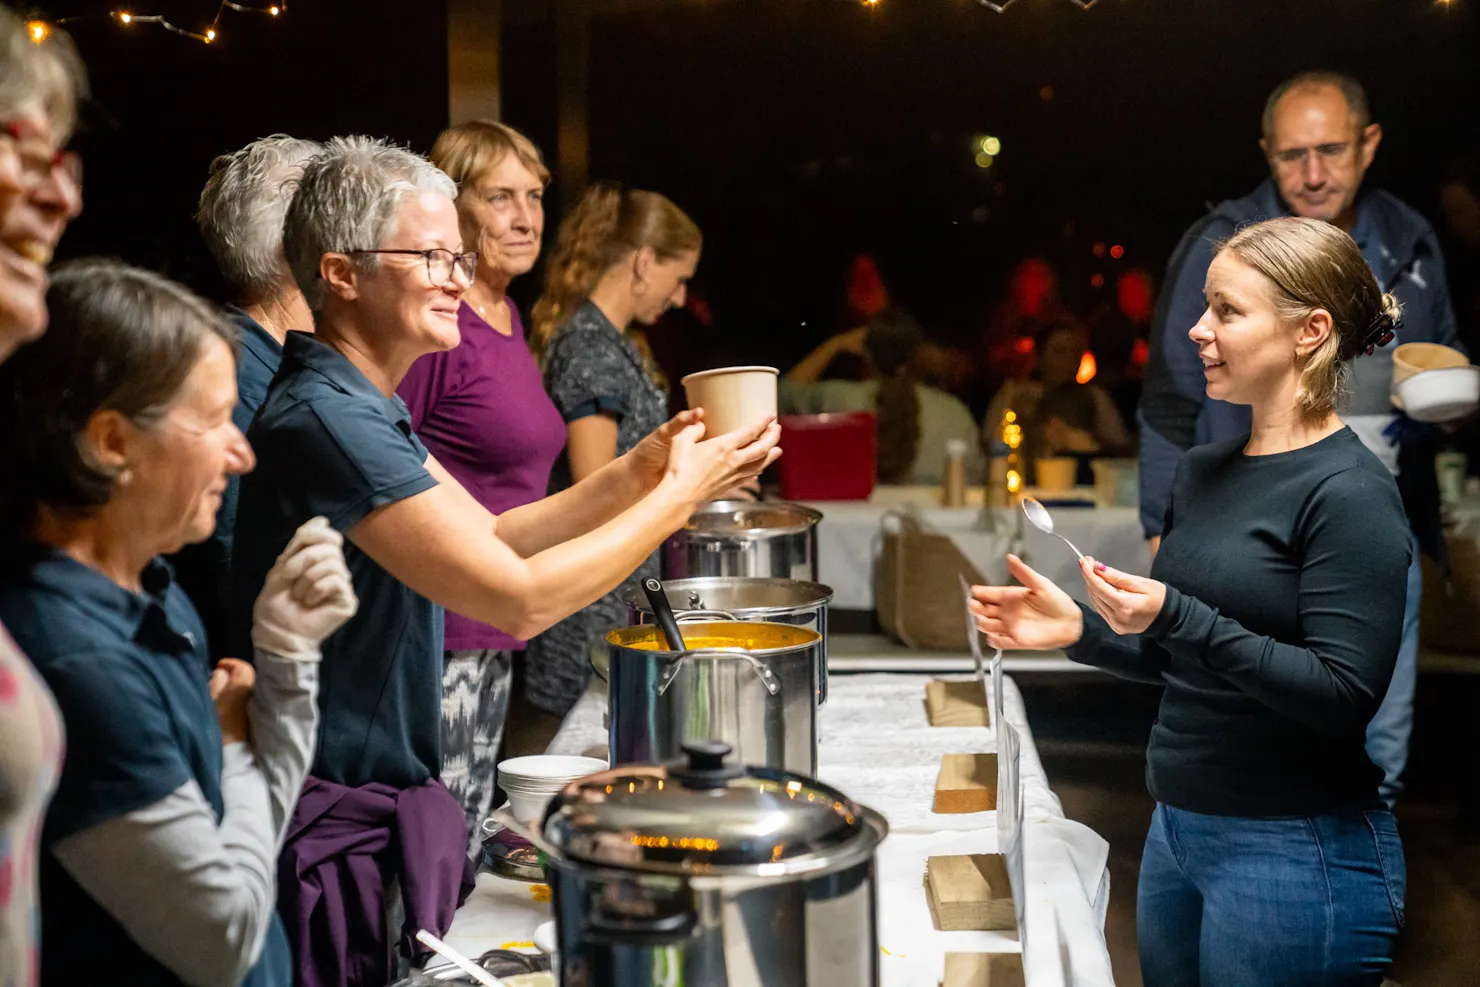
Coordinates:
[622,256]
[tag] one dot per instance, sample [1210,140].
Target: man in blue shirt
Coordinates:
[1319,140]
[241,218]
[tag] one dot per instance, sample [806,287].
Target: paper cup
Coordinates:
[1057,473]
[732,396]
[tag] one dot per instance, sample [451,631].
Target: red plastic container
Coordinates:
[828,457]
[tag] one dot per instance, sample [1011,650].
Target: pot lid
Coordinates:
[735,594]
[728,518]
[702,815]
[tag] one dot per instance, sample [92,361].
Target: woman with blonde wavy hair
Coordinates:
[622,256]
[1272,618]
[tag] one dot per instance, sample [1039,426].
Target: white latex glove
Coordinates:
[307,595]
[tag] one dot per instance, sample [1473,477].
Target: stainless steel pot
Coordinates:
[778,601]
[713,874]
[751,685]
[740,538]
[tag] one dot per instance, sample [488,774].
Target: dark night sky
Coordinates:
[799,131]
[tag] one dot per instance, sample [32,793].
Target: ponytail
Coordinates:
[898,404]
[609,223]
[892,341]
[578,261]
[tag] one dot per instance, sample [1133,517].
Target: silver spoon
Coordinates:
[1038,514]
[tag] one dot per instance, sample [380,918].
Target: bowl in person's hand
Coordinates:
[1414,358]
[1441,395]
[732,397]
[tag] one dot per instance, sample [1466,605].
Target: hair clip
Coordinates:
[1382,331]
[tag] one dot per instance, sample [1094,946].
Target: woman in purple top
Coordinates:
[482,410]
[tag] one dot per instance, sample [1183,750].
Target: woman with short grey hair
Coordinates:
[373,239]
[241,219]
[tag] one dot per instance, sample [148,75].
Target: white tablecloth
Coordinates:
[848,542]
[879,749]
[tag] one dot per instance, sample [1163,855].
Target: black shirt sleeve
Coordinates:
[1350,610]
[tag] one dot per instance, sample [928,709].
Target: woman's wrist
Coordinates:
[676,500]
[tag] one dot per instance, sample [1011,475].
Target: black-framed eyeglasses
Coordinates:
[38,158]
[441,262]
[1297,155]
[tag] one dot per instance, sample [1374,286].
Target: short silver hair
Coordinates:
[349,198]
[242,208]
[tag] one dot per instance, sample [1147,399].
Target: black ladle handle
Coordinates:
[664,614]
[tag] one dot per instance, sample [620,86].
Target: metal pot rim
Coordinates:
[806,519]
[613,640]
[725,877]
[821,596]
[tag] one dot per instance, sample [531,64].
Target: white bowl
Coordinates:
[535,768]
[1439,395]
[528,807]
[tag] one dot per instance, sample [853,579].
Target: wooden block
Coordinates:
[983,970]
[957,704]
[969,893]
[967,783]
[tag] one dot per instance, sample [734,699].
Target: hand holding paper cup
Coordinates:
[732,397]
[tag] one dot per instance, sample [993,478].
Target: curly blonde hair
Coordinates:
[608,223]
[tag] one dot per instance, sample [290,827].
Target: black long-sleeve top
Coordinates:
[1286,580]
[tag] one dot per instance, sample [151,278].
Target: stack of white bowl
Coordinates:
[530,782]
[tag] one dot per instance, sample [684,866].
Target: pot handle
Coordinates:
[683,615]
[671,670]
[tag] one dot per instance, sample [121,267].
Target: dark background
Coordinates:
[800,132]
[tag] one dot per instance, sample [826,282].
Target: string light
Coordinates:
[40,30]
[1000,5]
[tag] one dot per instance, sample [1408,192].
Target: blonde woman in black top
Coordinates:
[1272,619]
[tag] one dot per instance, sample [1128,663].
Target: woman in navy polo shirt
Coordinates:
[160,847]
[372,237]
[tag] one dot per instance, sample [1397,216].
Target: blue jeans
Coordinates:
[1387,734]
[1302,902]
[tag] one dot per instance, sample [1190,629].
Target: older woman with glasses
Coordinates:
[39,88]
[160,846]
[241,219]
[374,241]
[482,410]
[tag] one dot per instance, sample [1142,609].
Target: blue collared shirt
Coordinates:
[329,443]
[129,672]
[204,570]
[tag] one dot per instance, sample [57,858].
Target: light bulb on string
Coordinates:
[127,18]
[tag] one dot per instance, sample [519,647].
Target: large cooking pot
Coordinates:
[740,538]
[749,684]
[778,601]
[708,873]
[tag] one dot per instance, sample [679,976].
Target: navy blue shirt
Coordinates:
[328,442]
[204,570]
[129,672]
